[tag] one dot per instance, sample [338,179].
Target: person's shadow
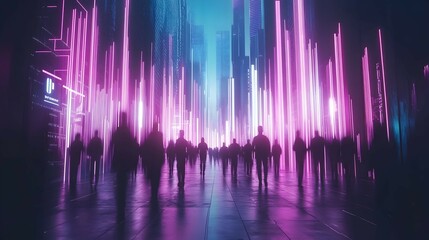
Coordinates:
[155,228]
[263,204]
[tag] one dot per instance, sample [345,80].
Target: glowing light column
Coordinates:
[301,77]
[291,125]
[367,96]
[279,78]
[380,38]
[125,60]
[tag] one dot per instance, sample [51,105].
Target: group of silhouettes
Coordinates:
[126,153]
[337,151]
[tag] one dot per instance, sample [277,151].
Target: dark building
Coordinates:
[257,38]
[223,68]
[238,55]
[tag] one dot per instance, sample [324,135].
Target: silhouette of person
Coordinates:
[300,149]
[181,150]
[223,152]
[134,157]
[261,145]
[143,157]
[216,153]
[76,149]
[95,151]
[380,155]
[202,149]
[234,150]
[192,153]
[210,152]
[170,156]
[121,143]
[334,157]
[154,150]
[247,154]
[317,148]
[348,151]
[276,152]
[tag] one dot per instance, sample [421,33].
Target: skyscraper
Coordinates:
[257,38]
[238,54]
[199,53]
[223,68]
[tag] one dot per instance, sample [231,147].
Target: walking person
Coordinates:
[202,150]
[276,152]
[300,149]
[234,151]
[348,151]
[261,146]
[247,154]
[317,148]
[170,157]
[95,152]
[223,153]
[334,157]
[181,149]
[154,148]
[122,142]
[76,149]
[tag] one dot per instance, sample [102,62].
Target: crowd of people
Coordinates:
[126,154]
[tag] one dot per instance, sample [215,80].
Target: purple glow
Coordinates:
[52,75]
[386,109]
[280,79]
[291,96]
[367,96]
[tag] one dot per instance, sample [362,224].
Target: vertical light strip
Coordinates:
[279,78]
[125,65]
[290,121]
[344,106]
[386,109]
[69,83]
[91,58]
[299,21]
[337,78]
[332,102]
[367,96]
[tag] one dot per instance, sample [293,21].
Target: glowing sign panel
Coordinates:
[50,95]
[47,90]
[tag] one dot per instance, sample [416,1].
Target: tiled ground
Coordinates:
[214,207]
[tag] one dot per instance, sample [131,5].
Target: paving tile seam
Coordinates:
[320,221]
[359,217]
[239,214]
[115,224]
[327,225]
[281,229]
[206,230]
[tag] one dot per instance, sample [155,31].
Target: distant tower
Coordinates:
[223,67]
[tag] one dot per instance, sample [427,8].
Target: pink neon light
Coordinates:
[301,66]
[280,79]
[367,96]
[338,79]
[291,125]
[74,91]
[92,73]
[332,92]
[342,82]
[52,75]
[386,109]
[281,103]
[125,64]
